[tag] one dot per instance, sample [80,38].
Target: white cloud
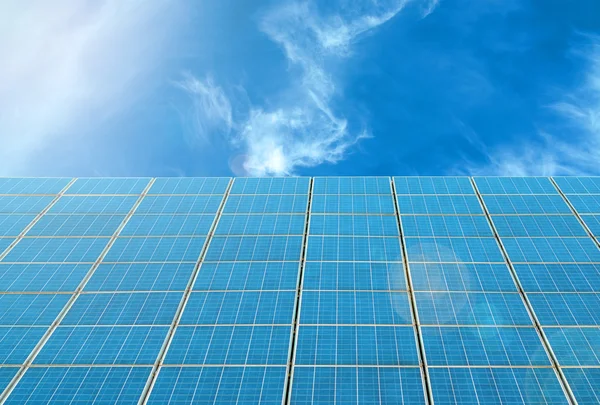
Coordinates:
[211,109]
[67,65]
[574,152]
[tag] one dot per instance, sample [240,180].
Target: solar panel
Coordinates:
[298,290]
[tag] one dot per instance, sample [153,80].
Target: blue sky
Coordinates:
[336,87]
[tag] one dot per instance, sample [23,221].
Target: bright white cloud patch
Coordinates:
[66,65]
[575,152]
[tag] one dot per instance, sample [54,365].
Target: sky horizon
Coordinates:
[299,87]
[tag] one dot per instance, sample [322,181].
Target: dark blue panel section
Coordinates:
[354,276]
[352,185]
[270,185]
[578,185]
[80,385]
[350,248]
[461,277]
[446,225]
[219,385]
[76,225]
[13,225]
[24,205]
[5,243]
[247,276]
[267,307]
[575,346]
[439,308]
[168,225]
[551,250]
[31,309]
[526,204]
[103,345]
[41,277]
[559,277]
[453,250]
[475,386]
[439,204]
[123,309]
[586,204]
[263,204]
[354,225]
[6,374]
[190,185]
[70,250]
[264,345]
[361,307]
[515,185]
[352,204]
[356,345]
[593,223]
[585,384]
[538,225]
[32,185]
[200,204]
[255,224]
[254,248]
[117,185]
[16,343]
[433,185]
[357,385]
[566,309]
[93,205]
[141,277]
[486,346]
[166,249]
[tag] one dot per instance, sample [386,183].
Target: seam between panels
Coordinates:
[28,362]
[564,383]
[145,395]
[574,211]
[287,390]
[36,219]
[413,303]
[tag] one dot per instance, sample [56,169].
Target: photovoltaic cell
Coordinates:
[354,276]
[17,342]
[578,185]
[526,204]
[165,249]
[439,204]
[575,346]
[31,309]
[559,277]
[6,375]
[103,204]
[76,225]
[585,383]
[515,185]
[69,250]
[257,224]
[466,250]
[32,185]
[13,225]
[247,276]
[433,185]
[140,277]
[177,204]
[24,205]
[538,225]
[189,185]
[273,185]
[462,277]
[168,225]
[351,185]
[117,185]
[41,277]
[445,225]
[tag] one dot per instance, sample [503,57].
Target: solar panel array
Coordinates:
[325,290]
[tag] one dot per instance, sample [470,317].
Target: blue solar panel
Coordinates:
[357,385]
[219,385]
[189,185]
[496,386]
[140,277]
[247,276]
[300,290]
[354,276]
[31,309]
[115,185]
[32,185]
[13,225]
[123,309]
[105,345]
[360,307]
[483,346]
[227,308]
[16,343]
[80,385]
[237,345]
[440,308]
[41,277]
[69,250]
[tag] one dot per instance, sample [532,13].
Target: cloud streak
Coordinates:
[304,128]
[575,152]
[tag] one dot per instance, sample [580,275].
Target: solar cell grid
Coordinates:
[117,185]
[13,225]
[32,185]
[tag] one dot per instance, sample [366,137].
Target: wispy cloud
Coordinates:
[573,151]
[211,108]
[305,127]
[67,65]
